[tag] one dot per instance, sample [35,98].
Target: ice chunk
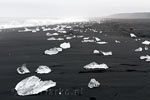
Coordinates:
[146,42]
[106,53]
[94,65]
[68,38]
[46,29]
[146,48]
[27,30]
[37,29]
[86,38]
[102,42]
[97,39]
[147,57]
[100,31]
[96,52]
[138,49]
[137,39]
[117,41]
[43,69]
[60,39]
[88,41]
[33,31]
[61,31]
[65,45]
[80,36]
[55,34]
[33,85]
[23,69]
[93,83]
[132,35]
[51,34]
[53,38]
[53,51]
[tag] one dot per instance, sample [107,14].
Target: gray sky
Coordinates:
[61,8]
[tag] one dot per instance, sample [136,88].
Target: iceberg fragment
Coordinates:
[88,41]
[132,35]
[51,34]
[146,48]
[34,31]
[93,83]
[97,39]
[23,69]
[62,31]
[53,38]
[86,38]
[146,42]
[100,31]
[147,57]
[137,39]
[53,51]
[106,53]
[102,42]
[68,38]
[46,29]
[65,45]
[94,65]
[43,69]
[138,49]
[96,52]
[33,85]
[80,36]
[117,41]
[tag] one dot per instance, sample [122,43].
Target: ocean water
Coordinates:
[12,22]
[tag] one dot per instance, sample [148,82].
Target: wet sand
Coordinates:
[128,77]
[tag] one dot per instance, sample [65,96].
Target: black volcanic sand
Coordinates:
[127,79]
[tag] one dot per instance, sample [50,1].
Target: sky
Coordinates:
[67,8]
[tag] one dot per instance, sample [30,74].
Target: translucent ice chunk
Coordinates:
[94,65]
[33,85]
[65,45]
[93,83]
[43,69]
[53,51]
[23,69]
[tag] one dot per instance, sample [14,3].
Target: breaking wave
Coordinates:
[27,22]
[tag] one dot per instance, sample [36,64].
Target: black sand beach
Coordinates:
[128,77]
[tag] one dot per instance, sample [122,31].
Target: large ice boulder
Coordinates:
[23,69]
[95,65]
[43,69]
[33,85]
[65,45]
[53,51]
[93,83]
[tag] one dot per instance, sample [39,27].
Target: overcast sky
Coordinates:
[61,8]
